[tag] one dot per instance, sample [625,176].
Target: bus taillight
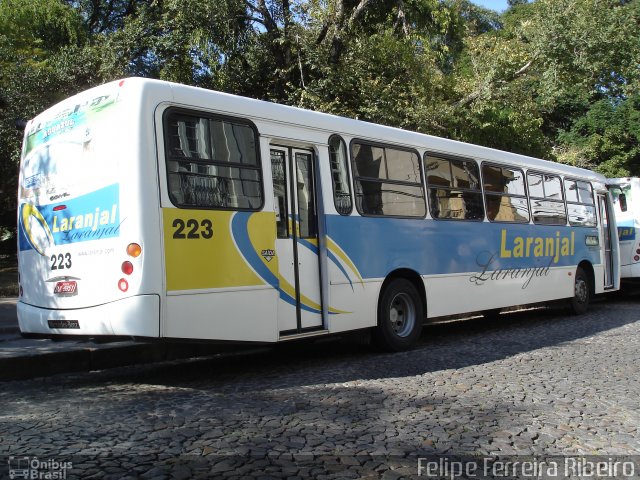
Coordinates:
[134,250]
[123,285]
[127,268]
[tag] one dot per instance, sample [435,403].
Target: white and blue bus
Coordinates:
[625,193]
[155,210]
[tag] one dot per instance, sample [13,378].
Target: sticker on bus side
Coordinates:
[88,217]
[626,233]
[217,249]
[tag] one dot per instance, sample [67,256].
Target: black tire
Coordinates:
[581,293]
[400,316]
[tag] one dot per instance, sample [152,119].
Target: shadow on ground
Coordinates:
[443,346]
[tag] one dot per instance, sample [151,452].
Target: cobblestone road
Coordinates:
[530,383]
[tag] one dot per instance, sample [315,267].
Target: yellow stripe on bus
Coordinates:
[336,250]
[200,252]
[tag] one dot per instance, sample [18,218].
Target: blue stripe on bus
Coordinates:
[330,255]
[431,247]
[337,263]
[309,245]
[240,232]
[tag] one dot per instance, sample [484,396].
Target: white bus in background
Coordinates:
[625,193]
[156,210]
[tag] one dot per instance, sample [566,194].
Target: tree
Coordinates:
[606,138]
[522,84]
[32,34]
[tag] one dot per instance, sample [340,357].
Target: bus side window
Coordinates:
[580,204]
[505,194]
[454,188]
[340,180]
[547,201]
[278,172]
[387,181]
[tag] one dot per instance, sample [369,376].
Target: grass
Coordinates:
[8,276]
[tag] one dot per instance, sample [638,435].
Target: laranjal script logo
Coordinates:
[92,216]
[538,255]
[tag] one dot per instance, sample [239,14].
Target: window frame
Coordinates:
[593,199]
[384,146]
[454,158]
[212,116]
[545,198]
[295,192]
[486,192]
[348,170]
[286,193]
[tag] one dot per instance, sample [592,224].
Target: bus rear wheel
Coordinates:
[581,295]
[400,316]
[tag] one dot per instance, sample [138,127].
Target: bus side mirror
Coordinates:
[622,198]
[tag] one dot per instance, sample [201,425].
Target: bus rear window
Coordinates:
[212,162]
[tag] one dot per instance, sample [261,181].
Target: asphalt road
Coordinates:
[538,385]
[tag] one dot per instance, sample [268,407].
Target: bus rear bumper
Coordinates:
[134,316]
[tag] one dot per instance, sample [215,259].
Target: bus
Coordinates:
[625,193]
[150,209]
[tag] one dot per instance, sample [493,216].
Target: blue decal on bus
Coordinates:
[626,233]
[92,216]
[450,247]
[43,133]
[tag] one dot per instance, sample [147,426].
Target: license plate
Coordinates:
[62,324]
[66,288]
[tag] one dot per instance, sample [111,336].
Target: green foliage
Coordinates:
[550,62]
[606,137]
[589,44]
[380,78]
[31,31]
[35,37]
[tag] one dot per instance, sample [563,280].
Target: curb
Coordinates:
[76,360]
[8,321]
[8,330]
[104,357]
[26,362]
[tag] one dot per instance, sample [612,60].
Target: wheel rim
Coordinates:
[581,290]
[402,314]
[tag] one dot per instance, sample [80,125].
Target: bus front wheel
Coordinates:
[400,316]
[580,300]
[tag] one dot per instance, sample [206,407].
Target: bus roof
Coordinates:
[622,181]
[259,110]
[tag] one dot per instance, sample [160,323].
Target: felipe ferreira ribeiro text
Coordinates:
[583,467]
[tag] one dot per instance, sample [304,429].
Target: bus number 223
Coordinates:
[60,261]
[195,229]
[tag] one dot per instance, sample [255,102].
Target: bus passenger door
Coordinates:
[606,235]
[294,187]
